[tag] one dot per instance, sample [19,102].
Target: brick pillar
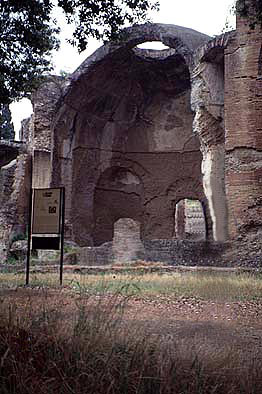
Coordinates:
[243,123]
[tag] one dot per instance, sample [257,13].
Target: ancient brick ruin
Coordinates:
[133,133]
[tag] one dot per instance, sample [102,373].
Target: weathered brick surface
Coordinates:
[137,119]
[132,132]
[243,122]
[7,209]
[45,101]
[207,100]
[127,244]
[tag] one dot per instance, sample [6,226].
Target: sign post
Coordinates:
[29,237]
[46,223]
[62,206]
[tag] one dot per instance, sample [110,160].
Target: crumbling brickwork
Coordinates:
[132,133]
[127,111]
[127,244]
[243,120]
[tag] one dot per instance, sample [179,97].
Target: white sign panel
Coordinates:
[46,211]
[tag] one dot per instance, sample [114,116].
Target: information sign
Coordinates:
[46,211]
[46,217]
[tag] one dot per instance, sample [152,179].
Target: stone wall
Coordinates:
[171,252]
[32,166]
[15,182]
[45,100]
[136,119]
[133,132]
[7,210]
[9,150]
[95,256]
[207,101]
[185,252]
[243,101]
[127,244]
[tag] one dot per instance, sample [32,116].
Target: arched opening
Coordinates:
[190,221]
[155,45]
[129,105]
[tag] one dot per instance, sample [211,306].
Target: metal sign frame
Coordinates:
[32,221]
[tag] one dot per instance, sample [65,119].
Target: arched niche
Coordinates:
[118,194]
[128,104]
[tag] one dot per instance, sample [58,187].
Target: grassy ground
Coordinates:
[122,333]
[207,286]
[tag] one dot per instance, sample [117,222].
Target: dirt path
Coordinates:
[221,327]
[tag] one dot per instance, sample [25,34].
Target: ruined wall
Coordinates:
[44,101]
[118,194]
[130,111]
[119,137]
[208,103]
[243,103]
[133,132]
[127,244]
[15,182]
[14,199]
[6,215]
[8,151]
[32,167]
[170,251]
[157,163]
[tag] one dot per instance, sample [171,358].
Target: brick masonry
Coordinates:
[131,142]
[127,244]
[243,139]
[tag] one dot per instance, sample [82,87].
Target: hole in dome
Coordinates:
[157,45]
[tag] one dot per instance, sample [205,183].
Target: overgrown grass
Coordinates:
[207,286]
[91,349]
[79,339]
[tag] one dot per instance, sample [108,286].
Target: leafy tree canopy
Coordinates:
[29,33]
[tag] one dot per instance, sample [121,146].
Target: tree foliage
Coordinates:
[29,33]
[26,40]
[251,9]
[103,19]
[6,126]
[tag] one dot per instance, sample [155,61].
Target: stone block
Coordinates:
[127,244]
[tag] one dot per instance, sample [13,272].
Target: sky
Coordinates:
[205,16]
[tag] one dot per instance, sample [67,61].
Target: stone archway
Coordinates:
[131,105]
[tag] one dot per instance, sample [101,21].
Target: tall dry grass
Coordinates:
[84,345]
